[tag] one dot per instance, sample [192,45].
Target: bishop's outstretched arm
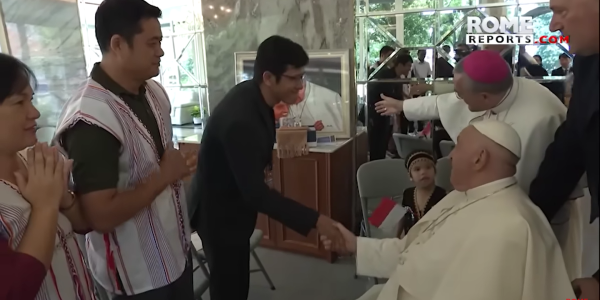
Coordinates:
[421,108]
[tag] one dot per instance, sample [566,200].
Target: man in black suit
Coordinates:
[236,153]
[564,70]
[384,53]
[565,66]
[574,151]
[379,128]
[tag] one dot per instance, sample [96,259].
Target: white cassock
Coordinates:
[319,104]
[489,243]
[535,113]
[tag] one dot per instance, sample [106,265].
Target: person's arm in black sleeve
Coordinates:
[559,173]
[245,163]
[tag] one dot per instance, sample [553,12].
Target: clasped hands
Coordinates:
[335,237]
[176,165]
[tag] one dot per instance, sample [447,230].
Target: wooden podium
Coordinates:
[323,180]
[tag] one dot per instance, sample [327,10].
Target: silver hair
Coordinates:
[492,88]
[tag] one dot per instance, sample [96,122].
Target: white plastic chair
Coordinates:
[406,144]
[378,179]
[443,171]
[446,147]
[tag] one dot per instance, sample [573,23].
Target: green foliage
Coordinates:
[419,29]
[195,112]
[549,53]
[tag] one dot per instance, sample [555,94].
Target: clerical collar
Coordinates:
[489,188]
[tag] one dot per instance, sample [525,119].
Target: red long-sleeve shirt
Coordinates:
[21,275]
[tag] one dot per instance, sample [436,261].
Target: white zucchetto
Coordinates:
[501,133]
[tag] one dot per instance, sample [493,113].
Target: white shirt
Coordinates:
[422,69]
[490,243]
[319,104]
[531,109]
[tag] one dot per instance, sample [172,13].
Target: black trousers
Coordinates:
[180,289]
[437,136]
[407,126]
[379,131]
[229,266]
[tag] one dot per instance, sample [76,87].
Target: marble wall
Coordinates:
[46,35]
[240,25]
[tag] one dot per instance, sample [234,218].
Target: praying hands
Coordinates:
[346,246]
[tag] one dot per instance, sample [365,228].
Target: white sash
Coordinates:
[67,277]
[148,251]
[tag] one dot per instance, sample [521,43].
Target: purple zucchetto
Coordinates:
[486,66]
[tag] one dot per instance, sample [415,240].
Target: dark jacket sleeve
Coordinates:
[21,275]
[245,163]
[560,171]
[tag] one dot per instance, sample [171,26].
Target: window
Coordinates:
[183,72]
[51,47]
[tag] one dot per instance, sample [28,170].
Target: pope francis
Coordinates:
[484,88]
[485,240]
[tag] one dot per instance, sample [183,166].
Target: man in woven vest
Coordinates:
[117,129]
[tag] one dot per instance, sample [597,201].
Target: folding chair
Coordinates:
[446,147]
[378,179]
[406,144]
[200,256]
[200,272]
[443,171]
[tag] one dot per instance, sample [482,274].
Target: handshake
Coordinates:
[335,237]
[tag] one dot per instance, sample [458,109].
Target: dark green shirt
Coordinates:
[95,151]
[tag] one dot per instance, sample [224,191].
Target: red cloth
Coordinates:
[21,275]
[381,212]
[427,130]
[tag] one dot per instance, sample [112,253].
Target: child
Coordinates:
[418,200]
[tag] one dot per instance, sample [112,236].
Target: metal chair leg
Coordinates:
[367,228]
[201,263]
[262,269]
[204,269]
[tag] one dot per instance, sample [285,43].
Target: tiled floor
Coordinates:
[298,277]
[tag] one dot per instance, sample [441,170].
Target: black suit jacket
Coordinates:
[375,89]
[558,88]
[560,72]
[575,147]
[230,188]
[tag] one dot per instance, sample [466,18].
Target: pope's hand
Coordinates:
[347,247]
[388,106]
[319,125]
[586,288]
